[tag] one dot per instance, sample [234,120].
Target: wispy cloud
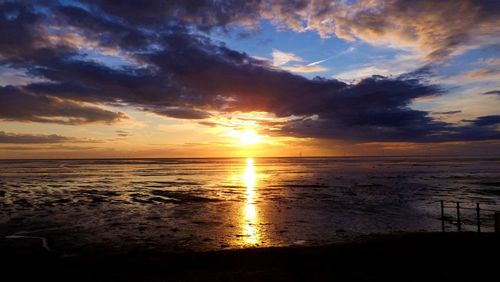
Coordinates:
[281,58]
[397,65]
[485,70]
[305,68]
[346,51]
[318,62]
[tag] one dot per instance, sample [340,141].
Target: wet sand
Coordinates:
[396,257]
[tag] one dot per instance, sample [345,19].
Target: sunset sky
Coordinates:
[115,79]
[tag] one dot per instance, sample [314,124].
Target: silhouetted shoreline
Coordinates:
[395,257]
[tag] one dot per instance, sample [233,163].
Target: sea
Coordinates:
[229,203]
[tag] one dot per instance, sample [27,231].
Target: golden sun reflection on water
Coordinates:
[250,232]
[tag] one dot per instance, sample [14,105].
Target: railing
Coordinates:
[458,219]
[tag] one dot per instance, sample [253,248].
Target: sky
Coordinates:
[260,78]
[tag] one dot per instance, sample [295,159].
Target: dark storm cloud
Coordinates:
[18,105]
[204,14]
[12,138]
[96,83]
[436,28]
[93,82]
[422,130]
[487,120]
[177,71]
[107,32]
[18,25]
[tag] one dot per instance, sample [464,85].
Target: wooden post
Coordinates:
[459,224]
[478,213]
[442,216]
[497,222]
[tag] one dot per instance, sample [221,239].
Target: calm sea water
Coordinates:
[206,204]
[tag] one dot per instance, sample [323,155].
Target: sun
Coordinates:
[249,137]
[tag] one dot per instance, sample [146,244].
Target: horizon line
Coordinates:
[282,157]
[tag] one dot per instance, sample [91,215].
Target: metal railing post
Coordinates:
[442,216]
[459,224]
[497,222]
[478,214]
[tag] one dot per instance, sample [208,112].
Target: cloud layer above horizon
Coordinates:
[85,59]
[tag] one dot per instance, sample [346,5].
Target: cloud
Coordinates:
[19,105]
[492,92]
[447,112]
[491,61]
[48,150]
[14,77]
[482,74]
[346,51]
[318,62]
[18,24]
[204,15]
[363,72]
[487,70]
[13,138]
[305,68]
[181,113]
[397,65]
[180,72]
[122,133]
[93,27]
[486,120]
[436,29]
[281,58]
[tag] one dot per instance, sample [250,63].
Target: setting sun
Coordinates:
[249,137]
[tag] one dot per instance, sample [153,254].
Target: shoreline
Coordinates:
[391,257]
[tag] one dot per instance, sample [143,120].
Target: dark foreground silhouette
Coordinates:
[405,257]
